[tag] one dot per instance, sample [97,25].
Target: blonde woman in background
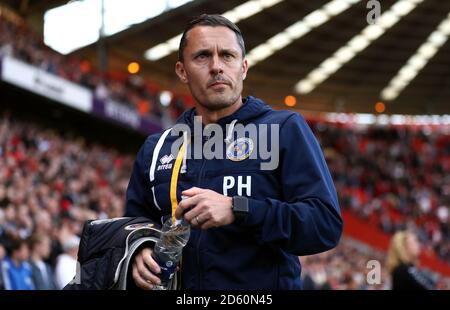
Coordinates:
[402,258]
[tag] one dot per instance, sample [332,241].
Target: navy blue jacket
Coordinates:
[293,210]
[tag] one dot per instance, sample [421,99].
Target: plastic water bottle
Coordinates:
[168,250]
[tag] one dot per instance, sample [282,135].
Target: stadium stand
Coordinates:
[42,192]
[18,41]
[393,177]
[388,178]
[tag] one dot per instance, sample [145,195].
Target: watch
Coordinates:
[240,208]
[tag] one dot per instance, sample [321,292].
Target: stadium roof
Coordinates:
[323,52]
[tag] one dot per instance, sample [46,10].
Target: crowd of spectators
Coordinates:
[353,266]
[50,184]
[132,90]
[393,177]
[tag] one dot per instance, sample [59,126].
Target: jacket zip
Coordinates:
[200,282]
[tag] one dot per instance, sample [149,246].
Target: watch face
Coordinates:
[240,205]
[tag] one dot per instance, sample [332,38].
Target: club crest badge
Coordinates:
[240,149]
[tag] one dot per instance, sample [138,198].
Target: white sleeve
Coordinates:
[65,270]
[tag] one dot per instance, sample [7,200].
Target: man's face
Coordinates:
[213,66]
[45,247]
[22,254]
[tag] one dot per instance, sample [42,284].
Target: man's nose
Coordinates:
[216,64]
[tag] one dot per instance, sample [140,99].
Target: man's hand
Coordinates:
[208,208]
[145,270]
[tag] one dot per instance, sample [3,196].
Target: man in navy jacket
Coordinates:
[252,215]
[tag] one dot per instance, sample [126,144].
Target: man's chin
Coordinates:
[218,102]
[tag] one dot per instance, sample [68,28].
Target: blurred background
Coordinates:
[82,83]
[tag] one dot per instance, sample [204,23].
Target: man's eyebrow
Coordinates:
[208,51]
[202,51]
[228,50]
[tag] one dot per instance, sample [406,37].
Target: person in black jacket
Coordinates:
[252,215]
[402,259]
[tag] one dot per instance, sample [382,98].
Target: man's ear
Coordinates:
[179,70]
[244,68]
